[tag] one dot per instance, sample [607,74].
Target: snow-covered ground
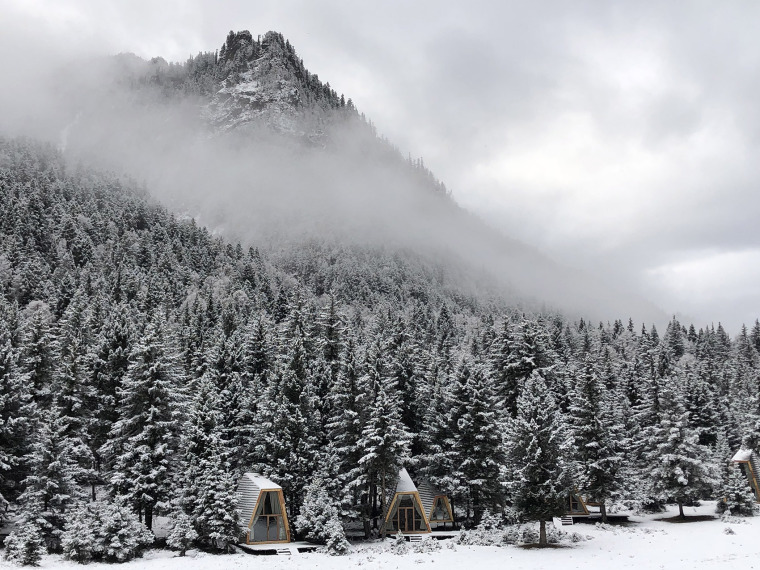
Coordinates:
[647,543]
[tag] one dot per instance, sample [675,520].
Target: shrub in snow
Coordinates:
[318,520]
[728,530]
[80,536]
[427,545]
[529,535]
[487,533]
[554,535]
[738,498]
[575,537]
[399,545]
[24,546]
[104,531]
[122,534]
[337,545]
[182,534]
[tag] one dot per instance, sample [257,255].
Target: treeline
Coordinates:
[141,355]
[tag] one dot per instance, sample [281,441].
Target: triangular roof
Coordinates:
[405,483]
[743,455]
[260,481]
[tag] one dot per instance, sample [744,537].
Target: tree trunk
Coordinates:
[149,517]
[382,505]
[373,512]
[542,533]
[366,515]
[603,511]
[680,510]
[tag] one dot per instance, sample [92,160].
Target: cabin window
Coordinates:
[268,522]
[575,504]
[439,511]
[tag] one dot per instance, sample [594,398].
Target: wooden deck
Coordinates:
[282,549]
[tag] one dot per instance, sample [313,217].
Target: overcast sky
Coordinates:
[621,138]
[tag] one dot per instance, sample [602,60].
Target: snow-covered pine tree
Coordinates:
[40,351]
[24,545]
[318,513]
[384,443]
[344,429]
[17,414]
[593,431]
[681,471]
[51,489]
[183,533]
[121,536]
[79,540]
[216,514]
[540,484]
[476,454]
[738,498]
[142,442]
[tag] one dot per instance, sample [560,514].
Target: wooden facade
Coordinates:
[405,513]
[262,510]
[436,504]
[576,506]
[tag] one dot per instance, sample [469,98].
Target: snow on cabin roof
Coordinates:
[405,484]
[743,455]
[261,482]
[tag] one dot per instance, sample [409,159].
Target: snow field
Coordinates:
[647,543]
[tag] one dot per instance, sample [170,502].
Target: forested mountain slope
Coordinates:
[255,147]
[140,352]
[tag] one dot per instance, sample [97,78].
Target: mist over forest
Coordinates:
[285,168]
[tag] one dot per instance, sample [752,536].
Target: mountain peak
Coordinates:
[264,80]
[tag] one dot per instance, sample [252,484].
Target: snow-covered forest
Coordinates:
[149,364]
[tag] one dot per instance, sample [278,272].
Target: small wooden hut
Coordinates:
[405,512]
[262,510]
[748,461]
[436,504]
[576,506]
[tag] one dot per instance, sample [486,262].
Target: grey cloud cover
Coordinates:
[618,137]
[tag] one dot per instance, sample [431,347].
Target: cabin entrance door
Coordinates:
[406,519]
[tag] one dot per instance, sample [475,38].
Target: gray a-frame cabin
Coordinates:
[405,512]
[748,461]
[435,503]
[262,510]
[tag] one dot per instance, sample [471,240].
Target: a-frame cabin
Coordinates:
[748,461]
[405,512]
[262,510]
[436,504]
[576,506]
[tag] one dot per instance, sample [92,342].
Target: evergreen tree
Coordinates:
[476,451]
[540,483]
[681,472]
[51,488]
[594,432]
[143,440]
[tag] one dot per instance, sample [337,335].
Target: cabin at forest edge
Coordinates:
[435,504]
[262,510]
[748,461]
[405,512]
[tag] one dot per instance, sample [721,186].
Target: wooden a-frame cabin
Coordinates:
[435,504]
[405,512]
[576,506]
[262,510]
[749,463]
